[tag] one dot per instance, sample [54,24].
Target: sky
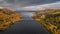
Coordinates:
[29,4]
[55,5]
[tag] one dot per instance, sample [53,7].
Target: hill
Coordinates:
[50,19]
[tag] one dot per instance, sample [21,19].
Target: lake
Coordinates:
[26,26]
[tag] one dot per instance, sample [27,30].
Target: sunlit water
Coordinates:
[27,15]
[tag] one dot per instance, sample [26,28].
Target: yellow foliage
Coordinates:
[15,17]
[50,19]
[8,17]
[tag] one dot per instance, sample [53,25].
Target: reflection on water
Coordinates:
[27,15]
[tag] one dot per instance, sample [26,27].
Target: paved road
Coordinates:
[25,27]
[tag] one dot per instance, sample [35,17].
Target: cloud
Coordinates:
[1,0]
[19,4]
[55,5]
[15,5]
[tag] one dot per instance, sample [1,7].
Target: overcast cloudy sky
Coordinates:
[29,4]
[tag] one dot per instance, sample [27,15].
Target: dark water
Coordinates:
[26,26]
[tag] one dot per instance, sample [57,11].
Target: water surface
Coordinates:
[26,26]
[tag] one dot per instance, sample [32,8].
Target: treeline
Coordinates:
[8,17]
[49,18]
